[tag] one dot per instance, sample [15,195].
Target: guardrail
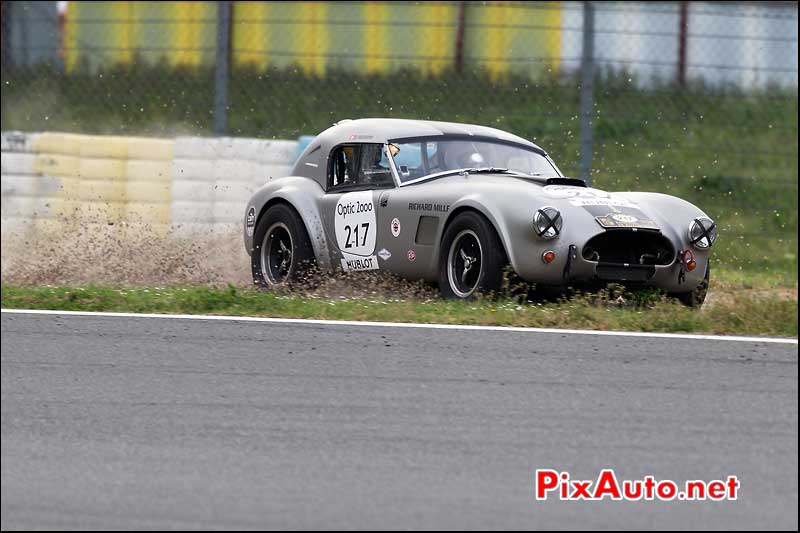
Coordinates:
[187,184]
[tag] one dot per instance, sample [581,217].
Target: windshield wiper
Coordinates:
[483,170]
[500,170]
[468,171]
[465,171]
[538,176]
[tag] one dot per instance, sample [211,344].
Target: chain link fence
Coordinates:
[694,99]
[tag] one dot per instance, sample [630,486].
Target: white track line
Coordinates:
[774,340]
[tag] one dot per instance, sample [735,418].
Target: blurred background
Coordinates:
[696,99]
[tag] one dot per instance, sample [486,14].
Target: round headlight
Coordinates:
[702,233]
[547,222]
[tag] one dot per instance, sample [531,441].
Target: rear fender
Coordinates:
[302,194]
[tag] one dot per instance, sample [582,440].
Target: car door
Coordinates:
[357,175]
[414,220]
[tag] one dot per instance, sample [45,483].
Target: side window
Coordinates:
[433,157]
[359,166]
[374,168]
[409,161]
[343,167]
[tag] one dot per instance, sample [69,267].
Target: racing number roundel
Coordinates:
[355,224]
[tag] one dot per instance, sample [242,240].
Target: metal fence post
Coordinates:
[683,30]
[7,13]
[587,92]
[221,70]
[462,17]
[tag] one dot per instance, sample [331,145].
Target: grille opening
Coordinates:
[632,247]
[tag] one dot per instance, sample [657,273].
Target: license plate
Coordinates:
[623,220]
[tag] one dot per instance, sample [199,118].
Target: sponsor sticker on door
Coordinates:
[354,224]
[355,263]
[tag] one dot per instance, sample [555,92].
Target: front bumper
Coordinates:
[571,268]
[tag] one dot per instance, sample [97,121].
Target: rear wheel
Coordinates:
[472,257]
[696,297]
[282,252]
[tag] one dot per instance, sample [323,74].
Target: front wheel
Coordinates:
[282,252]
[472,258]
[696,297]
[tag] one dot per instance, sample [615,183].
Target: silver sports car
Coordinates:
[457,204]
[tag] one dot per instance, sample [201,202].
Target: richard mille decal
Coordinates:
[436,208]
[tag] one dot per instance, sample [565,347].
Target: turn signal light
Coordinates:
[691,265]
[548,257]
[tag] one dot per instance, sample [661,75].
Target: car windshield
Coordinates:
[417,159]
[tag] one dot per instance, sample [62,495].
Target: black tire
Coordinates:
[696,297]
[470,241]
[284,255]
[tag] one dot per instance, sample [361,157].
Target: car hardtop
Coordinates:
[313,162]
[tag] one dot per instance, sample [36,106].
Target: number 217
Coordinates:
[352,233]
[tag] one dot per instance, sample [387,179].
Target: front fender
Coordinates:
[304,195]
[673,214]
[510,216]
[668,210]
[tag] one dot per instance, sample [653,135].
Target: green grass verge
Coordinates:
[735,314]
[728,280]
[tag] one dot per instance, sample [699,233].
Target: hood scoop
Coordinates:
[572,182]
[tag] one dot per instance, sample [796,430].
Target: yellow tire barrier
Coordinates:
[62,182]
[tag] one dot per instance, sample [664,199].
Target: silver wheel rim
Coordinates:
[465,263]
[277,254]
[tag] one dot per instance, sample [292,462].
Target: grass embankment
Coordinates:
[731,313]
